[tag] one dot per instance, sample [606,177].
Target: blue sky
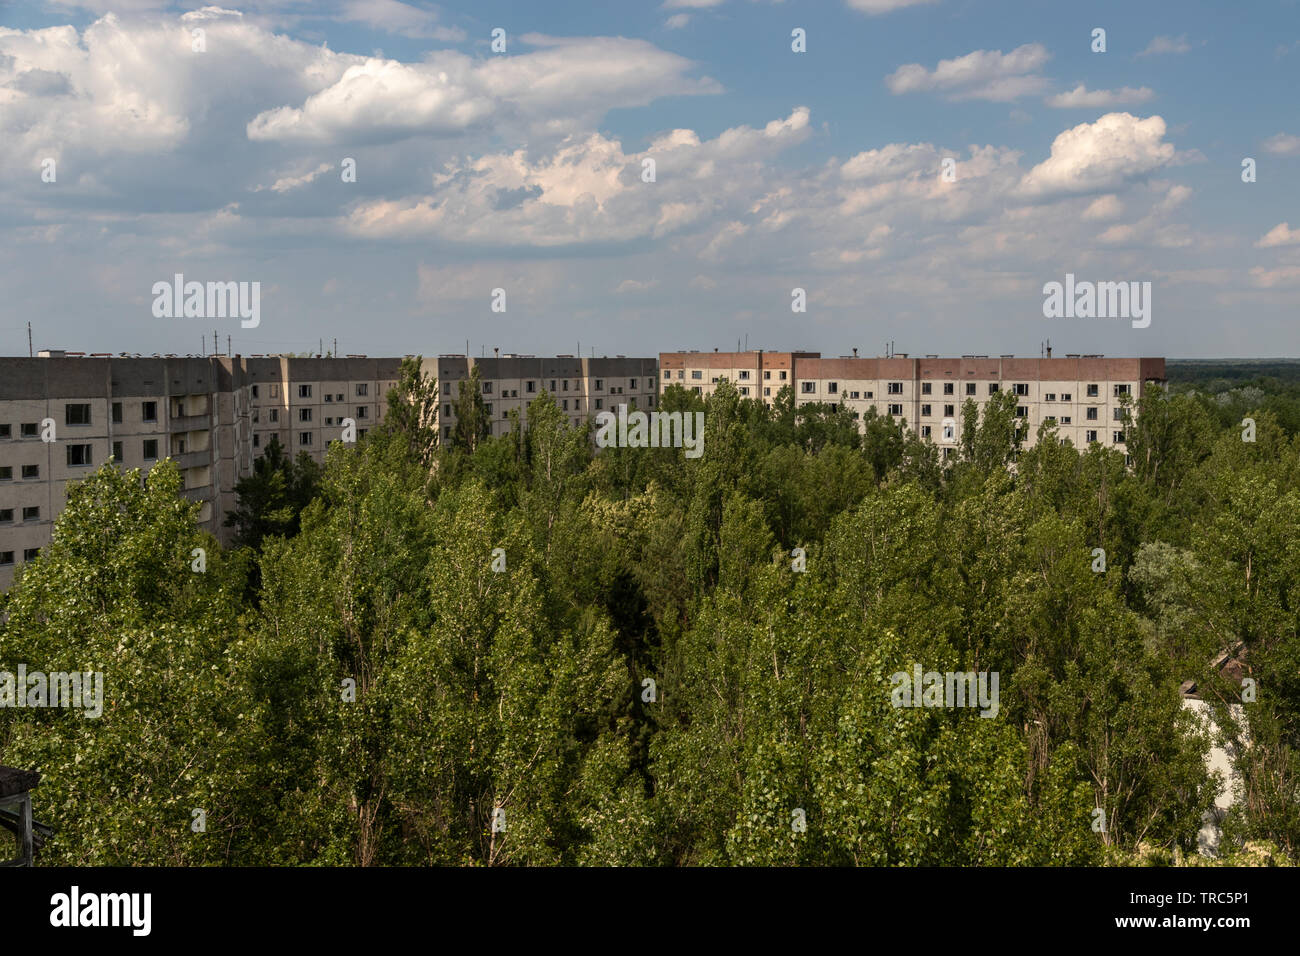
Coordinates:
[775,170]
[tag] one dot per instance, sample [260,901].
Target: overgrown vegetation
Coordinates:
[529,689]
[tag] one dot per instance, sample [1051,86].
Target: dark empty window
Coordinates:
[79,455]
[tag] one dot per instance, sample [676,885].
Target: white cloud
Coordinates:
[1270,278]
[567,81]
[877,7]
[983,74]
[677,21]
[399,18]
[1167,44]
[1279,235]
[1283,144]
[635,285]
[1098,157]
[286,183]
[1103,208]
[1081,97]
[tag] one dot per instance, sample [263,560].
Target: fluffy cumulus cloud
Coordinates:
[1167,44]
[1097,157]
[983,74]
[876,7]
[1283,144]
[1083,98]
[477,172]
[1279,235]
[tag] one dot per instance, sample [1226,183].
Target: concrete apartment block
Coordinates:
[215,415]
[582,387]
[1080,393]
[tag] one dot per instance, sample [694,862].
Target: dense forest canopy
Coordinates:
[517,650]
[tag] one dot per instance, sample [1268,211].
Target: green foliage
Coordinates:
[649,679]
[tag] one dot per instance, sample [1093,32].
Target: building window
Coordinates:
[698,390]
[566,385]
[304,414]
[32,514]
[273,415]
[150,448]
[1117,437]
[925,388]
[117,451]
[767,375]
[566,404]
[994,388]
[895,409]
[1049,420]
[530,388]
[1049,397]
[257,440]
[681,374]
[1117,414]
[487,407]
[31,554]
[361,432]
[783,376]
[6,472]
[744,390]
[767,392]
[1090,435]
[275,391]
[925,410]
[667,374]
[600,382]
[925,431]
[1065,396]
[1092,391]
[744,375]
[1091,414]
[807,388]
[6,515]
[1022,388]
[31,471]
[446,410]
[149,411]
[6,557]
[696,374]
[487,388]
[553,388]
[363,389]
[1065,419]
[970,388]
[78,456]
[304,391]
[1022,411]
[599,404]
[329,397]
[833,387]
[949,411]
[948,388]
[895,388]
[330,421]
[304,438]
[631,382]
[255,388]
[78,414]
[446,388]
[363,411]
[1123,390]
[338,397]
[117,413]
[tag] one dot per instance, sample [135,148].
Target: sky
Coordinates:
[223,155]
